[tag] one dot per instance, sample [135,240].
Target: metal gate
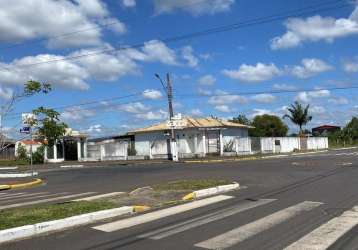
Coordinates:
[213,141]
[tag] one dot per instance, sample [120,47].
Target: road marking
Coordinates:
[186,225]
[9,194]
[11,200]
[19,195]
[44,200]
[242,233]
[327,234]
[96,197]
[130,222]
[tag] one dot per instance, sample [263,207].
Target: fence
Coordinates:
[7,153]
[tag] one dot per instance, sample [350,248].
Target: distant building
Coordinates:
[324,130]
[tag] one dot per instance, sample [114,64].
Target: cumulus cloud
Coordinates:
[128,3]
[338,100]
[77,114]
[284,87]
[53,18]
[253,73]
[207,80]
[350,66]
[257,112]
[264,98]
[223,98]
[196,112]
[97,128]
[315,28]
[134,108]
[317,110]
[223,108]
[309,67]
[188,56]
[152,94]
[153,115]
[6,93]
[195,8]
[307,96]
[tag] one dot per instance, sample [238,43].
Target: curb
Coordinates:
[18,175]
[56,225]
[21,185]
[8,168]
[211,191]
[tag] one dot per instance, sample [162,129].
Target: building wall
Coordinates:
[317,142]
[151,144]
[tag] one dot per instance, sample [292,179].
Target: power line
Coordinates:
[219,29]
[264,92]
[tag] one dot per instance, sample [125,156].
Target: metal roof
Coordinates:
[193,123]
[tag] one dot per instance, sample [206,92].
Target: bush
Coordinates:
[21,153]
[38,156]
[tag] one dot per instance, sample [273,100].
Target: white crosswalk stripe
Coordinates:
[20,195]
[327,234]
[130,222]
[202,220]
[247,231]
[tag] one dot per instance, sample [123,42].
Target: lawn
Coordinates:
[31,215]
[190,185]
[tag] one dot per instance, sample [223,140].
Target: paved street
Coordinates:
[285,203]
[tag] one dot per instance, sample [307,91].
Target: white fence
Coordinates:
[107,150]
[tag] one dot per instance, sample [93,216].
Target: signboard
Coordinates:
[25,130]
[27,118]
[176,123]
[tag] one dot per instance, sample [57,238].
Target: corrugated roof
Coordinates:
[193,123]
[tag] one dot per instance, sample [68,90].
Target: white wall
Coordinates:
[27,147]
[287,144]
[151,144]
[239,136]
[317,142]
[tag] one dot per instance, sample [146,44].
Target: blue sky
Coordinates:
[314,51]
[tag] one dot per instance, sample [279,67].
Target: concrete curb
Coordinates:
[18,175]
[72,166]
[211,191]
[8,168]
[21,185]
[56,225]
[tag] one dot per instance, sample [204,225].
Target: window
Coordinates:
[277,143]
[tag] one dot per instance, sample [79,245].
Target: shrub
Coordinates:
[21,153]
[38,156]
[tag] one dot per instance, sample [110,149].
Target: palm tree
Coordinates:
[298,114]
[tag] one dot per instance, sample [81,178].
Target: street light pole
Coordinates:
[169,91]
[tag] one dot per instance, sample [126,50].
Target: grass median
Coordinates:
[190,185]
[31,215]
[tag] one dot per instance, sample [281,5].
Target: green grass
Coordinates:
[190,184]
[30,215]
[10,163]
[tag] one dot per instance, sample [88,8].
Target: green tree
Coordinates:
[299,115]
[268,126]
[30,88]
[38,155]
[242,119]
[48,125]
[21,153]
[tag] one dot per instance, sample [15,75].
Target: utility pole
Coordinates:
[169,91]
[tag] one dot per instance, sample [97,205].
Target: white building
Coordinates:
[196,137]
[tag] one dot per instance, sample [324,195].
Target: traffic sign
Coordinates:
[25,130]
[176,123]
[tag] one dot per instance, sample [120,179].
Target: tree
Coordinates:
[30,88]
[242,119]
[298,115]
[48,125]
[268,126]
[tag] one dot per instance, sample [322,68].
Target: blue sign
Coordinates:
[25,130]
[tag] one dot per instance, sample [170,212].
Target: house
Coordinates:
[195,137]
[324,130]
[27,144]
[7,148]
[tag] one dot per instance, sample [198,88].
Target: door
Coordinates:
[213,142]
[277,146]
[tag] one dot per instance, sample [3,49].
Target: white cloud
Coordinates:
[97,128]
[308,96]
[77,114]
[196,112]
[223,108]
[153,115]
[223,98]
[204,92]
[206,56]
[310,67]
[315,28]
[152,94]
[264,98]
[317,110]
[194,7]
[350,66]
[134,108]
[6,93]
[188,56]
[260,112]
[53,18]
[207,80]
[284,87]
[253,73]
[128,3]
[157,51]
[339,100]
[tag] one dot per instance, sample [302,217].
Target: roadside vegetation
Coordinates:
[31,215]
[190,185]
[348,136]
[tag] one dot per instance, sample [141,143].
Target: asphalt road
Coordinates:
[295,201]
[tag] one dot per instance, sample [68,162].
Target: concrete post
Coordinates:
[55,151]
[221,142]
[204,144]
[79,149]
[195,143]
[85,149]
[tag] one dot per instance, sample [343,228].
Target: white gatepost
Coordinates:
[79,150]
[221,143]
[85,149]
[204,144]
[55,151]
[150,150]
[102,152]
[195,143]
